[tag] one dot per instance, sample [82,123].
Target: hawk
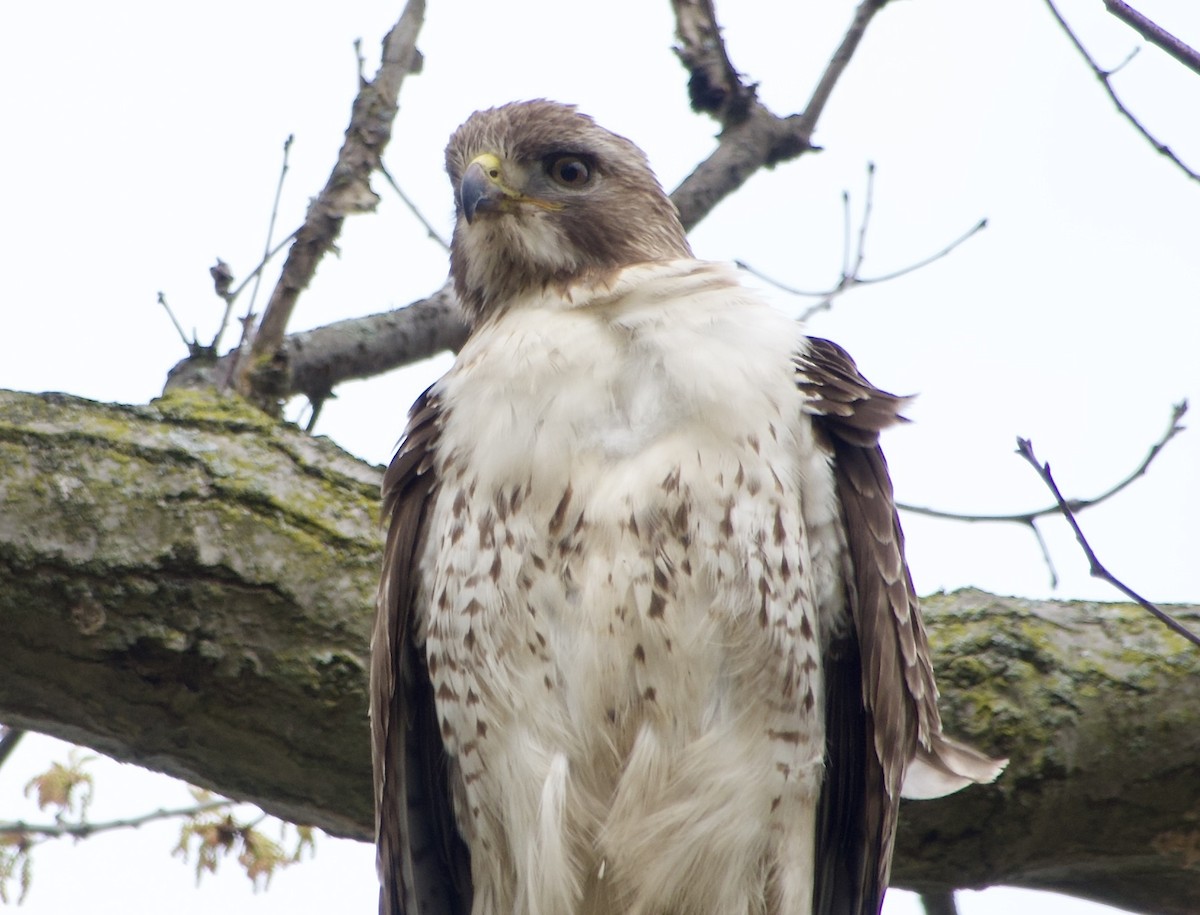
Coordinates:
[646,642]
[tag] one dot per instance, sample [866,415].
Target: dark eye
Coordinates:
[570,171]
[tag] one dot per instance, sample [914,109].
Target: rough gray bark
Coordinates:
[188,586]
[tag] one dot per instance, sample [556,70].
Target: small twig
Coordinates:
[267,258]
[853,257]
[1125,63]
[1096,569]
[412,207]
[1046,557]
[868,201]
[315,402]
[1178,411]
[1105,77]
[895,274]
[268,252]
[362,61]
[1155,34]
[1029,519]
[162,300]
[83,830]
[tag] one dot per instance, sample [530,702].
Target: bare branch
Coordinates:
[81,830]
[412,208]
[1025,449]
[1105,77]
[162,300]
[314,362]
[1178,411]
[752,137]
[853,256]
[1155,34]
[937,256]
[347,191]
[267,252]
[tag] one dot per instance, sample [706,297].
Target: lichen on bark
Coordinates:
[188,585]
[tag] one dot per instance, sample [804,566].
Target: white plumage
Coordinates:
[619,628]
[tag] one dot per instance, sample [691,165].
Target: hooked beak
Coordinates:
[481,188]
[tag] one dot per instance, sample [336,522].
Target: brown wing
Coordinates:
[424,868]
[881,701]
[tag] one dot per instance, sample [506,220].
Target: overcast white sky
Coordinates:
[141,141]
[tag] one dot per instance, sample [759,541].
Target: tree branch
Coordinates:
[189,586]
[347,191]
[1029,518]
[1105,77]
[314,362]
[752,137]
[1097,569]
[84,830]
[1155,34]
[854,255]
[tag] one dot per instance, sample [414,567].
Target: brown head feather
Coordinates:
[553,235]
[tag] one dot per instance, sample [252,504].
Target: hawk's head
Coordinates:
[546,197]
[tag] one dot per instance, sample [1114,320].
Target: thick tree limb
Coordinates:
[315,361]
[188,586]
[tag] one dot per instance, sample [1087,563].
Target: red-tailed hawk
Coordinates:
[646,641]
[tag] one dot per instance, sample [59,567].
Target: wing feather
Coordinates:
[881,698]
[424,868]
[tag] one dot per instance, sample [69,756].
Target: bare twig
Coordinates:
[362,61]
[936,256]
[268,252]
[1105,77]
[1097,570]
[162,300]
[314,405]
[1155,34]
[412,208]
[347,191]
[1178,411]
[752,137]
[1029,518]
[267,258]
[83,830]
[853,256]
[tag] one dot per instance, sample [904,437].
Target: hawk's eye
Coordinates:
[570,171]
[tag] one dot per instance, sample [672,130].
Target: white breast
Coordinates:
[621,600]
